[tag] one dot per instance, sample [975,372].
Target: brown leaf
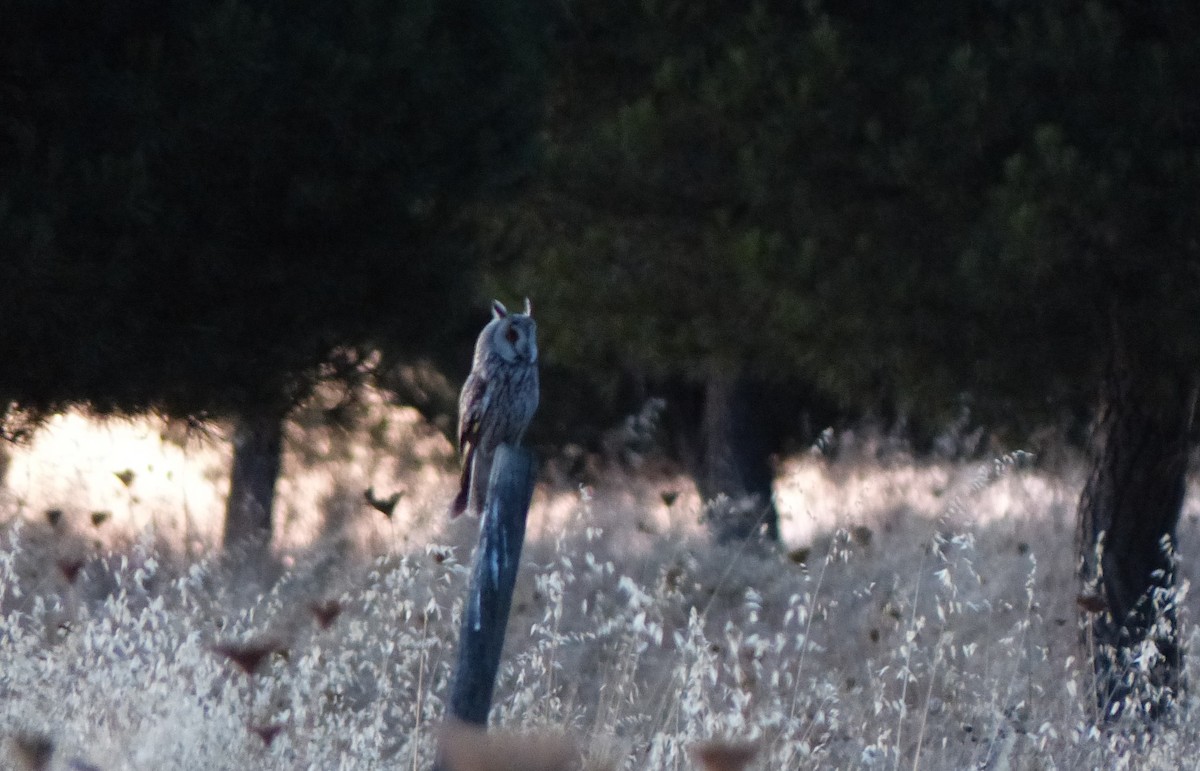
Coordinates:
[1092,603]
[249,656]
[799,555]
[385,505]
[722,756]
[861,534]
[70,567]
[325,612]
[33,751]
[267,732]
[464,747]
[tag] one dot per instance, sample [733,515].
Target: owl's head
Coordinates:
[513,335]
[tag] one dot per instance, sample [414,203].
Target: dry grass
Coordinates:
[921,616]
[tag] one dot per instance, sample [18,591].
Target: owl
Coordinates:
[497,401]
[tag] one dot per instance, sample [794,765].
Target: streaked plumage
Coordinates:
[497,401]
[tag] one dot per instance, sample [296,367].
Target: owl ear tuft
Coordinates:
[498,309]
[528,307]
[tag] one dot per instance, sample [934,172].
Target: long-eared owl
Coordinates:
[497,401]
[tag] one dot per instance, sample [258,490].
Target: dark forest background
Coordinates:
[773,215]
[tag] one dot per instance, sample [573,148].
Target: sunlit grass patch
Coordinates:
[927,619]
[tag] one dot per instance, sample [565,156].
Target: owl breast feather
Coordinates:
[512,399]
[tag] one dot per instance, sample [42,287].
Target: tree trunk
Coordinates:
[257,445]
[1128,513]
[735,476]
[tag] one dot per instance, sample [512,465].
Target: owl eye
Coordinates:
[511,335]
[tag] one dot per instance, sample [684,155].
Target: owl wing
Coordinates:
[472,406]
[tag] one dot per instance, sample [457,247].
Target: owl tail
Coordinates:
[464,486]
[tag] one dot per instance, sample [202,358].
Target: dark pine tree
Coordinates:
[899,204]
[205,207]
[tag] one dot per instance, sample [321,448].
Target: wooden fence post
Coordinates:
[497,557]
